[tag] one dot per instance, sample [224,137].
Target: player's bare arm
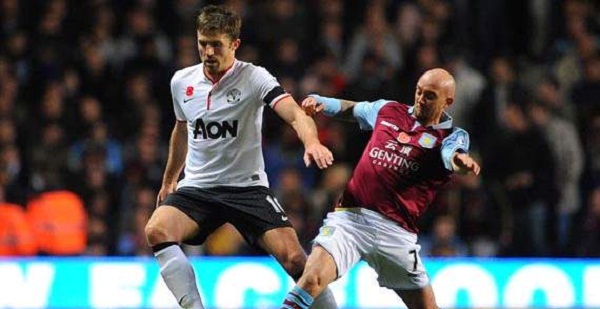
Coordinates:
[338,108]
[463,163]
[306,129]
[175,160]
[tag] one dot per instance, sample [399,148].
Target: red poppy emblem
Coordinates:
[189,91]
[403,138]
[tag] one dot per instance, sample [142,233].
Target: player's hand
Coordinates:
[466,164]
[311,105]
[319,154]
[165,189]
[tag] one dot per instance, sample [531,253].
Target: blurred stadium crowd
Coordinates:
[85,115]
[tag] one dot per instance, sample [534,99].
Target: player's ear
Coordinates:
[235,44]
[449,101]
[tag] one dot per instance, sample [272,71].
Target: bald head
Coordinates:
[440,79]
[434,93]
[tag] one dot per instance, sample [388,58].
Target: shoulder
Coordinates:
[185,73]
[252,69]
[393,107]
[455,135]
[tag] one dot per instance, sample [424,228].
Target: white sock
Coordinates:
[178,274]
[325,300]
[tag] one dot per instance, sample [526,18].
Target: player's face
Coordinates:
[217,51]
[430,101]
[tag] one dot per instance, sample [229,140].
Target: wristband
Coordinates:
[332,105]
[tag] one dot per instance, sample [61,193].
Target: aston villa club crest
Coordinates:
[403,138]
[427,140]
[234,96]
[327,230]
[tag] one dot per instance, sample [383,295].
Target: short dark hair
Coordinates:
[219,18]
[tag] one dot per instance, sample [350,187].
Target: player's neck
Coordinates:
[429,122]
[216,76]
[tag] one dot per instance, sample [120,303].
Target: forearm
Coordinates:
[177,154]
[346,110]
[338,108]
[306,129]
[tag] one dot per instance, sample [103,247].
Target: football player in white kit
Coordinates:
[217,137]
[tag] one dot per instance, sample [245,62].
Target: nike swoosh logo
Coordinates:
[284,218]
[185,101]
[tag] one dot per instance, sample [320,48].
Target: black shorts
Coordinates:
[252,210]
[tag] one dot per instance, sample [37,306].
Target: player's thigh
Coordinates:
[422,298]
[188,216]
[169,223]
[260,218]
[396,258]
[345,239]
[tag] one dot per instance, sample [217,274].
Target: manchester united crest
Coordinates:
[233,96]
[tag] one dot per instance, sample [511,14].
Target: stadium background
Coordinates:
[85,116]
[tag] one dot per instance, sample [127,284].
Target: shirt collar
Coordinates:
[228,71]
[445,121]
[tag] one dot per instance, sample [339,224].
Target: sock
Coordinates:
[325,300]
[178,274]
[297,298]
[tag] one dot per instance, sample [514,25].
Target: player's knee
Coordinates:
[293,263]
[156,234]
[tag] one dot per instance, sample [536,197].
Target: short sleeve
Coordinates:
[457,141]
[179,115]
[366,113]
[267,88]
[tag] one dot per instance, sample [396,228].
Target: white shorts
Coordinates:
[354,234]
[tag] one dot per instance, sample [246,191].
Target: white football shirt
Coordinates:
[224,121]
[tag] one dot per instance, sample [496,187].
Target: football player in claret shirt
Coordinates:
[412,152]
[217,138]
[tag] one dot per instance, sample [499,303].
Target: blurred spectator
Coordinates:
[549,92]
[443,241]
[16,235]
[586,93]
[592,148]
[278,20]
[287,152]
[488,122]
[527,174]
[17,50]
[288,59]
[10,16]
[565,145]
[329,191]
[48,172]
[60,220]
[470,85]
[98,145]
[292,196]
[132,220]
[102,226]
[588,238]
[408,24]
[141,37]
[373,40]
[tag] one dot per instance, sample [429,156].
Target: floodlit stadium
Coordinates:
[183,153]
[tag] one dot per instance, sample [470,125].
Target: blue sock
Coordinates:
[297,298]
